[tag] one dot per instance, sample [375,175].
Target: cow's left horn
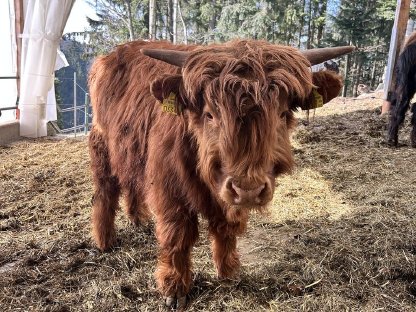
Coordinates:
[172,57]
[316,56]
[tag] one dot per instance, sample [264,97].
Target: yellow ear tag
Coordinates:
[168,104]
[318,100]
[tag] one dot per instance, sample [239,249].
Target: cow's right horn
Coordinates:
[316,56]
[172,57]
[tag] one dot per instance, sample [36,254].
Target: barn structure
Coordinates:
[32,33]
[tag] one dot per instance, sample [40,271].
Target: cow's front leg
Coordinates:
[176,235]
[224,248]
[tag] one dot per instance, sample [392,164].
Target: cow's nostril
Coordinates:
[237,189]
[230,187]
[263,191]
[263,194]
[229,184]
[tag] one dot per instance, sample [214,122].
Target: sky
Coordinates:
[77,20]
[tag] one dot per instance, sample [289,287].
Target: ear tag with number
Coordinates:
[168,104]
[318,100]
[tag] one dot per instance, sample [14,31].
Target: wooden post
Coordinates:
[18,27]
[397,37]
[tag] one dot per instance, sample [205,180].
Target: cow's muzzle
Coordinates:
[242,193]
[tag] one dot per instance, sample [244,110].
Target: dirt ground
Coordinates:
[340,235]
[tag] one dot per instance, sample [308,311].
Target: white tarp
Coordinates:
[51,113]
[44,23]
[8,87]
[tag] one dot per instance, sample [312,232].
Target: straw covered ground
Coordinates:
[340,235]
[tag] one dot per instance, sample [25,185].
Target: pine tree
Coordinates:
[355,24]
[119,21]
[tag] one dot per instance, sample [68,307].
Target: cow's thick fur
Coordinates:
[404,90]
[234,104]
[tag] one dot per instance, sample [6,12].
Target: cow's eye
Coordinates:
[284,114]
[208,116]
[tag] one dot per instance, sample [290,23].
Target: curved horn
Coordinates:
[172,57]
[316,56]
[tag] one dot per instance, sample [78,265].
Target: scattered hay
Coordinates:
[306,194]
[340,235]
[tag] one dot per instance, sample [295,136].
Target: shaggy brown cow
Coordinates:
[214,147]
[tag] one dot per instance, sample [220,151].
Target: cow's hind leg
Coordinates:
[136,208]
[106,193]
[176,235]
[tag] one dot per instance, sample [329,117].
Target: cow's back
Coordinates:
[124,111]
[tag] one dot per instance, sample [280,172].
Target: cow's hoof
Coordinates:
[392,143]
[176,304]
[105,242]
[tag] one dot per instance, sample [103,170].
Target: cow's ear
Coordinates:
[328,83]
[168,88]
[162,87]
[327,86]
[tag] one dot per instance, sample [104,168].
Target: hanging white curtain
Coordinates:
[8,87]
[44,23]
